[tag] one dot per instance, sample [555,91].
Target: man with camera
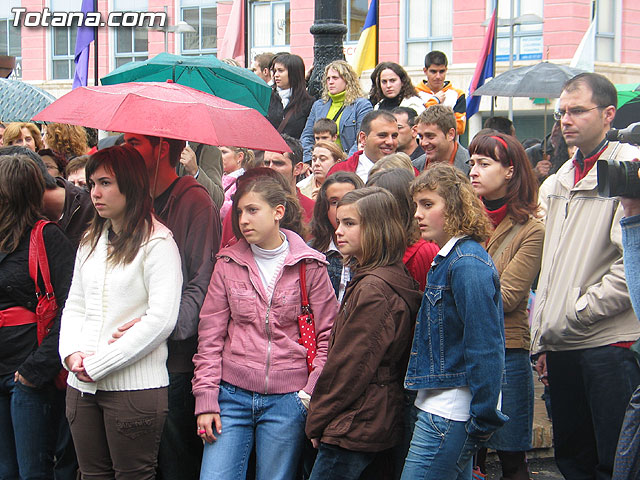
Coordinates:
[583,322]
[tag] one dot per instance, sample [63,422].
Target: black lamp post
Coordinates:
[328,31]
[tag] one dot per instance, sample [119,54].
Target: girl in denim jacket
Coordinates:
[457,357]
[251,381]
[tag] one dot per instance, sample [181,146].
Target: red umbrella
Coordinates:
[167,110]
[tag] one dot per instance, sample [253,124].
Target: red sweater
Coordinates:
[417,258]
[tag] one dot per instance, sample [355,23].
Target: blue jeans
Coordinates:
[590,390]
[441,449]
[275,422]
[27,431]
[337,463]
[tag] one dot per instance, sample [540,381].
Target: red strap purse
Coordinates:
[305,320]
[47,307]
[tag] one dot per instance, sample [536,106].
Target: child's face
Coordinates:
[259,222]
[324,136]
[335,192]
[430,211]
[348,232]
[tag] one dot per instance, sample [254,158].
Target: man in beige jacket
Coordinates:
[583,322]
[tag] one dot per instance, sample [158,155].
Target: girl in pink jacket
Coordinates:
[251,379]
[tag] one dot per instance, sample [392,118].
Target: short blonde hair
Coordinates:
[14,131]
[336,152]
[391,161]
[464,212]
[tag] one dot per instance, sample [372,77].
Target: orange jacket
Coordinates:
[454,98]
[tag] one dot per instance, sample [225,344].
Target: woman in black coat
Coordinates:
[27,369]
[290,103]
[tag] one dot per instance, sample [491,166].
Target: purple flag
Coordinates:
[85,36]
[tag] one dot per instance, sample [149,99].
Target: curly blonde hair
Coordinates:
[68,140]
[353,89]
[464,213]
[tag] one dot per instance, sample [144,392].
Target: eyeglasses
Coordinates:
[574,112]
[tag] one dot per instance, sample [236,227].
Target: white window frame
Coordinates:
[272,46]
[347,22]
[192,5]
[520,32]
[428,41]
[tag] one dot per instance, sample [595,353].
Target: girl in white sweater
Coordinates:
[127,270]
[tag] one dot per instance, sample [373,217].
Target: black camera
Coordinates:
[620,179]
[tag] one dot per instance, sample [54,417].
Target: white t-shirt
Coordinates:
[363,168]
[270,263]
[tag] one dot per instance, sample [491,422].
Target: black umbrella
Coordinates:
[20,101]
[543,80]
[627,114]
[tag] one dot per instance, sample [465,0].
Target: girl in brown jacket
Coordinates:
[501,175]
[356,408]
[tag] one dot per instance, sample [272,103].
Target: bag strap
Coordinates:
[306,309]
[507,240]
[38,261]
[285,120]
[335,117]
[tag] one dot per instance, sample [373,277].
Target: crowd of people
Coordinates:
[368,305]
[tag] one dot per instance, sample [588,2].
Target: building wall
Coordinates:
[565,22]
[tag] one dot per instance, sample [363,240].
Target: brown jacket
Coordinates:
[518,266]
[358,400]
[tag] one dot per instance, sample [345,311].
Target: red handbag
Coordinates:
[305,320]
[47,307]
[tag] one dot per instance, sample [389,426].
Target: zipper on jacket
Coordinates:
[268,328]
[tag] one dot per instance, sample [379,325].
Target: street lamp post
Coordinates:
[328,31]
[511,22]
[180,27]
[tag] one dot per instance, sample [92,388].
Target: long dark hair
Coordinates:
[295,70]
[408,90]
[128,166]
[321,228]
[522,189]
[275,190]
[21,194]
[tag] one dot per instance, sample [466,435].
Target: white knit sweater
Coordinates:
[103,297]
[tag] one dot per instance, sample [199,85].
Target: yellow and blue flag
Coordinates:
[366,56]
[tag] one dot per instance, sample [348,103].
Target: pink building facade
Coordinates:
[408,29]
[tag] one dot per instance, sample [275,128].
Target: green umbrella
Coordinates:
[205,73]
[628,105]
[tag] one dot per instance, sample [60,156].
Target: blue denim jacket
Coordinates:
[631,256]
[459,335]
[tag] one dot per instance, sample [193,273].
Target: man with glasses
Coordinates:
[583,323]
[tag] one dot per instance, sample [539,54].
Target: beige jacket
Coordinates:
[582,299]
[518,265]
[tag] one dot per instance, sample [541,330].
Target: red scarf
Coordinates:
[498,215]
[589,162]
